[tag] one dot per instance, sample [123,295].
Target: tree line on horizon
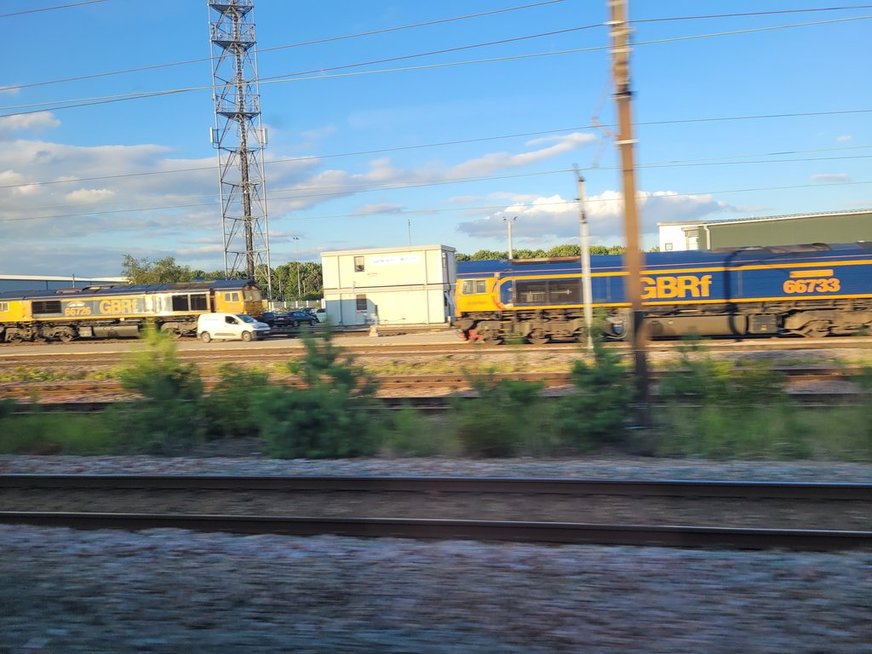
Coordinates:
[302,280]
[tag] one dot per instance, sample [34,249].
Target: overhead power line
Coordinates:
[318,74]
[432,210]
[41,9]
[334,190]
[329,39]
[76,180]
[386,30]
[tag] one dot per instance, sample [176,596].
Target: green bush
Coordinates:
[336,414]
[508,418]
[702,380]
[410,433]
[168,419]
[594,414]
[57,433]
[718,432]
[7,407]
[229,408]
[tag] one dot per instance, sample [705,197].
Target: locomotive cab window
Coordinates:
[47,307]
[554,291]
[193,302]
[231,297]
[474,287]
[4,306]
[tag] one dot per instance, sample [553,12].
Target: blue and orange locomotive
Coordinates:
[809,290]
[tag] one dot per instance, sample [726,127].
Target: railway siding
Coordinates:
[698,503]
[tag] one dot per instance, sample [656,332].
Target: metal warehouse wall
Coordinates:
[787,231]
[39,283]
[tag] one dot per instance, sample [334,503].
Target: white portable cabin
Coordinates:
[389,286]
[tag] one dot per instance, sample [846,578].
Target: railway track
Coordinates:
[658,513]
[276,350]
[105,391]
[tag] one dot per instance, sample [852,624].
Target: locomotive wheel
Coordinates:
[489,336]
[14,338]
[816,329]
[538,337]
[66,335]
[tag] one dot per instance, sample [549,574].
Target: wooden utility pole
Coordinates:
[633,258]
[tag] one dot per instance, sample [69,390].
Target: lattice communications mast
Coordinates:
[239,140]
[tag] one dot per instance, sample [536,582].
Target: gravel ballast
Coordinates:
[173,591]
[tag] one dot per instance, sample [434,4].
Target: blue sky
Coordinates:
[735,116]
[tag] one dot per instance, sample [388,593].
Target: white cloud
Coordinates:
[331,184]
[375,209]
[544,220]
[89,195]
[39,121]
[830,177]
[318,133]
[490,163]
[844,138]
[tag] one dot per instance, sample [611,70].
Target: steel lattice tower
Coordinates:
[239,140]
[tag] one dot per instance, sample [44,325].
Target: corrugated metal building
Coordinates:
[389,286]
[49,282]
[833,227]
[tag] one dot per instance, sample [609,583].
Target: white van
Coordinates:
[230,326]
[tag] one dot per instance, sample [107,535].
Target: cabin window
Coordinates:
[47,306]
[231,297]
[548,292]
[474,286]
[195,302]
[358,263]
[360,301]
[4,306]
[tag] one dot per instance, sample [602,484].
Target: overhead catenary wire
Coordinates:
[329,39]
[436,210]
[52,8]
[332,39]
[677,121]
[319,74]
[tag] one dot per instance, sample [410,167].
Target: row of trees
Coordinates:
[292,281]
[567,250]
[302,280]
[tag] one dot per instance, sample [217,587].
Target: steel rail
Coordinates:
[749,490]
[432,403]
[505,531]
[222,351]
[551,379]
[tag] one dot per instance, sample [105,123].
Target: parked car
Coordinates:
[303,317]
[321,314]
[230,326]
[276,319]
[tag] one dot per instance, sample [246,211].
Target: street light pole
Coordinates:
[509,226]
[586,289]
[299,287]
